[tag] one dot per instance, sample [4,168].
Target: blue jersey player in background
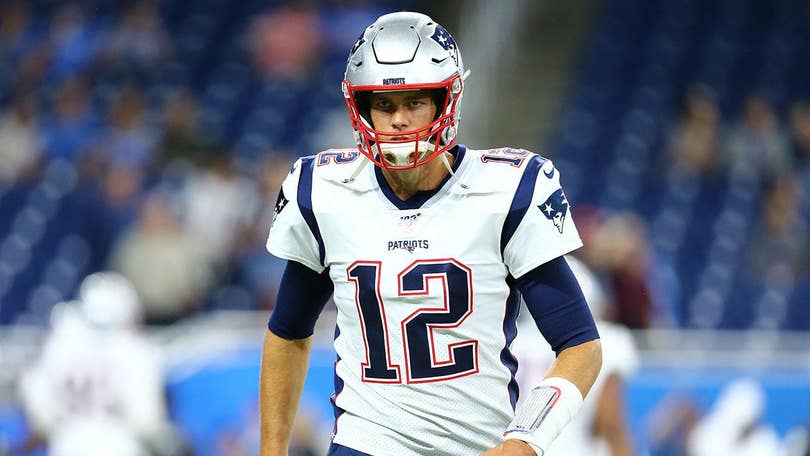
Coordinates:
[427,247]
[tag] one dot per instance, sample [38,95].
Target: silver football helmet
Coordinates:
[405,51]
[109,300]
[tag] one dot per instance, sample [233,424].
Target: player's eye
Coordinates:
[382,104]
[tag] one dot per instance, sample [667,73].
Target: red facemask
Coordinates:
[429,141]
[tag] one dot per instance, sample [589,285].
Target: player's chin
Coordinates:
[411,176]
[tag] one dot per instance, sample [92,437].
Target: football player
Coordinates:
[426,255]
[97,387]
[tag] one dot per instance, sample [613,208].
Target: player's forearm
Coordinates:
[619,444]
[284,368]
[616,435]
[557,399]
[579,364]
[609,420]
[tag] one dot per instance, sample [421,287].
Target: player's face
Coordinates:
[398,112]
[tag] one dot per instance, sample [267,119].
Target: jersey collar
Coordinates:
[421,197]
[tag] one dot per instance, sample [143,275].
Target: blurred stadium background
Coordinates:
[151,138]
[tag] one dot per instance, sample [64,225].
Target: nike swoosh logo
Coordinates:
[549,174]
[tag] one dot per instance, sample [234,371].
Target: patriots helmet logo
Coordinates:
[445,40]
[556,209]
[360,40]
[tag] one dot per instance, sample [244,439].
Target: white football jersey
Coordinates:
[89,378]
[424,293]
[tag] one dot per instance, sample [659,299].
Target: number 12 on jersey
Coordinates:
[422,363]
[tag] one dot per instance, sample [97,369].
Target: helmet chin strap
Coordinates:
[363,161]
[443,158]
[402,154]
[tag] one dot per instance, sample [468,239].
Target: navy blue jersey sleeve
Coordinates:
[556,303]
[301,297]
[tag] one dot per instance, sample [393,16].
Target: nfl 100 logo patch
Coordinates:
[408,223]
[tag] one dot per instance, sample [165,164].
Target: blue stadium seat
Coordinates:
[641,59]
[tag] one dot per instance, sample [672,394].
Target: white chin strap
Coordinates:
[405,154]
[402,155]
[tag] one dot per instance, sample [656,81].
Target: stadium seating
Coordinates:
[612,140]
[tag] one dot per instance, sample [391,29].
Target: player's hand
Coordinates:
[511,448]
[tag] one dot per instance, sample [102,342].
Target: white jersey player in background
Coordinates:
[97,387]
[426,255]
[600,428]
[734,426]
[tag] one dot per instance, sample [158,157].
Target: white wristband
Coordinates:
[549,408]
